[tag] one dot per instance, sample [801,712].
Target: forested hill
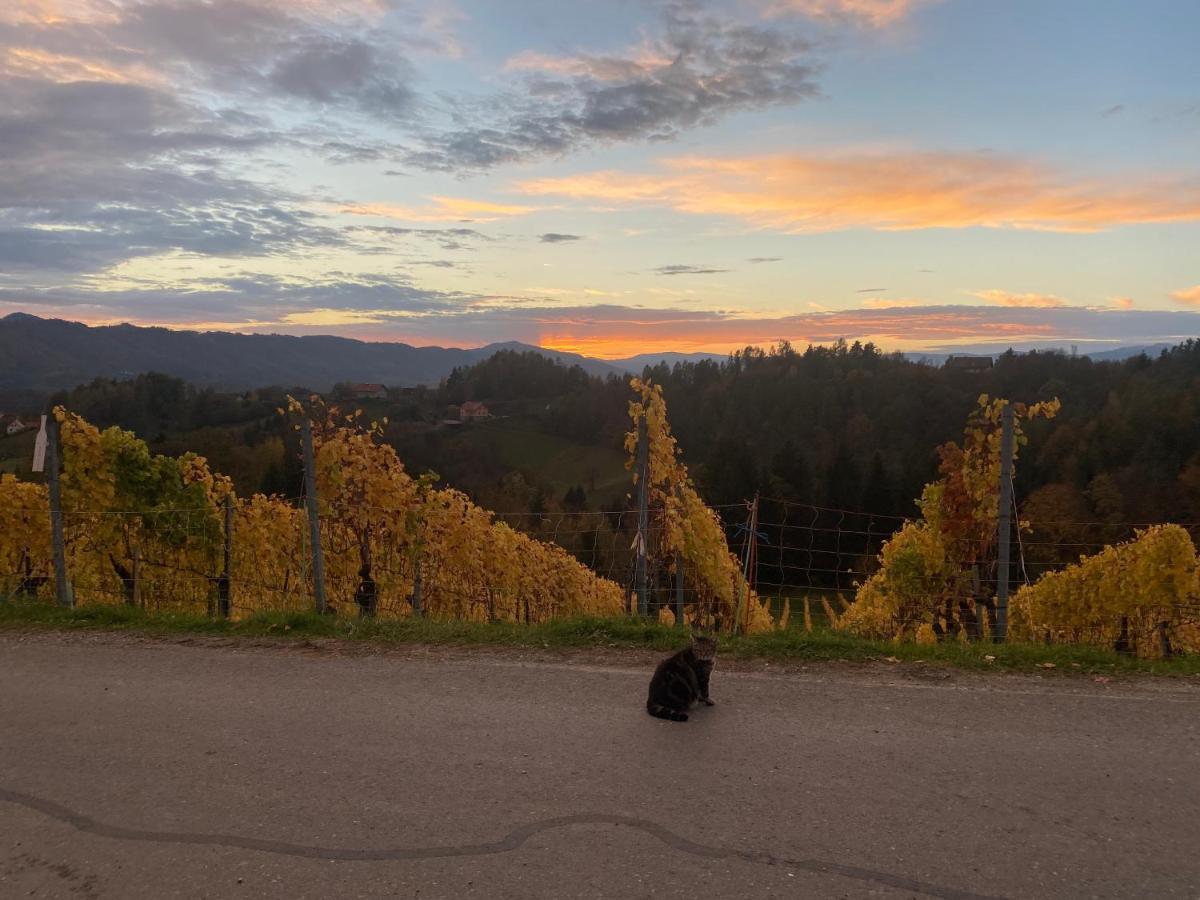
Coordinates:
[853,428]
[40,355]
[845,427]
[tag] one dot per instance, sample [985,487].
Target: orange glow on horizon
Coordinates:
[608,334]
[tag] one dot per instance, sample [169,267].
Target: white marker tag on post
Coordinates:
[39,449]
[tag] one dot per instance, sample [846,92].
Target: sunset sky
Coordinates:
[607,177]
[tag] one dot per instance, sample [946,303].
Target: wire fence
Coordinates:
[280,553]
[175,559]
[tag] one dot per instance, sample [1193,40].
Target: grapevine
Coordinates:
[686,531]
[141,527]
[927,570]
[1129,596]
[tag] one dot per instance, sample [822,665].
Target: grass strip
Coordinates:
[794,645]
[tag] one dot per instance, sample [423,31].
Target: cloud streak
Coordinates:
[1022,301]
[678,269]
[875,13]
[805,193]
[1187,296]
[441,209]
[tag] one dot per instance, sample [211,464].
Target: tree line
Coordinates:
[844,426]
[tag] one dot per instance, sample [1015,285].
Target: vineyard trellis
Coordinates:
[396,546]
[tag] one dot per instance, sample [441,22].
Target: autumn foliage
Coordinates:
[1139,596]
[926,583]
[685,531]
[146,528]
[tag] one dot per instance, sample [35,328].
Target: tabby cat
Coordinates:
[682,680]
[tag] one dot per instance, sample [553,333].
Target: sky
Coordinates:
[608,178]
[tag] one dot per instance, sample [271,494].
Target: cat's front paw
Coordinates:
[709,702]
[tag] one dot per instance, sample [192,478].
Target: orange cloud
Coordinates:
[614,332]
[32,62]
[55,12]
[442,209]
[603,68]
[798,193]
[1123,302]
[894,304]
[1190,296]
[871,12]
[1027,301]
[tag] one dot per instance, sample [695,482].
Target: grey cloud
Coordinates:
[94,173]
[328,71]
[252,297]
[343,152]
[687,270]
[446,238]
[239,47]
[764,259]
[438,263]
[716,68]
[553,237]
[95,239]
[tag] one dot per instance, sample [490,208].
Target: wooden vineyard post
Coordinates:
[135,595]
[416,594]
[679,589]
[1004,524]
[314,521]
[225,583]
[643,472]
[62,587]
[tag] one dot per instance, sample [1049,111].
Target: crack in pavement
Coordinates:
[511,841]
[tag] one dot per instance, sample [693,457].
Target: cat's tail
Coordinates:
[662,712]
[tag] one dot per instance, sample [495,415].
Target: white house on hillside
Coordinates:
[16,425]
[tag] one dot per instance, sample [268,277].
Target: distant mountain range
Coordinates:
[52,354]
[1114,355]
[43,355]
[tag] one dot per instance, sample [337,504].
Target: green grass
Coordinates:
[518,445]
[16,453]
[792,645]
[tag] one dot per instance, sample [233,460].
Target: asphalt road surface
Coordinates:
[132,768]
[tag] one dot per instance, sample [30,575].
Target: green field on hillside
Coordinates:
[516,444]
[16,453]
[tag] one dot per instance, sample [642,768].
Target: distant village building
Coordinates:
[367,391]
[15,425]
[969,363]
[473,409]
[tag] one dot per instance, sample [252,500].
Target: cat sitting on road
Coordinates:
[682,680]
